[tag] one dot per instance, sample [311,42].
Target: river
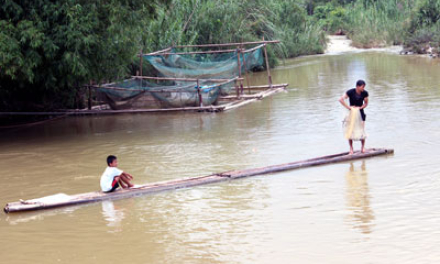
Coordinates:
[384,209]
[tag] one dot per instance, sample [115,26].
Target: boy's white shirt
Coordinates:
[107,178]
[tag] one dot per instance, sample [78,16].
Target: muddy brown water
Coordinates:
[378,210]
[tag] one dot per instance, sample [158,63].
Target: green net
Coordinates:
[142,93]
[206,66]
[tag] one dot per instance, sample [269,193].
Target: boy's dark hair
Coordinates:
[360,83]
[110,159]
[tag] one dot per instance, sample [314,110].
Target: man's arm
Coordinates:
[342,101]
[365,103]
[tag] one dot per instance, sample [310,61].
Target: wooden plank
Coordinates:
[65,200]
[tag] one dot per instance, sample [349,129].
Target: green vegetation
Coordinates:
[49,49]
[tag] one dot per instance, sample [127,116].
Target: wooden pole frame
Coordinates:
[193,52]
[267,66]
[158,52]
[228,44]
[184,79]
[245,71]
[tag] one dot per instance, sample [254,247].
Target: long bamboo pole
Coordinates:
[158,52]
[228,44]
[194,52]
[201,52]
[254,48]
[184,79]
[65,200]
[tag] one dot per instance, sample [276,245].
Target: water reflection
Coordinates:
[358,198]
[112,215]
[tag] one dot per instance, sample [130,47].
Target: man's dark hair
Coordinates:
[360,83]
[110,159]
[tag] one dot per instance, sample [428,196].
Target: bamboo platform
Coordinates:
[236,102]
[59,200]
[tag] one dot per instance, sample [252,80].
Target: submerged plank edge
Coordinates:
[66,200]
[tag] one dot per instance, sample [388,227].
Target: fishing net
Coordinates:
[142,93]
[354,126]
[206,66]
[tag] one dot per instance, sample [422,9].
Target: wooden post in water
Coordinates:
[200,94]
[237,88]
[239,71]
[141,63]
[89,103]
[245,72]
[267,65]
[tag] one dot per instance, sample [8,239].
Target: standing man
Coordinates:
[358,101]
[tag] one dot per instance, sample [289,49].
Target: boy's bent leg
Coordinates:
[120,182]
[126,180]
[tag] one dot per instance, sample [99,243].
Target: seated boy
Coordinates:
[113,177]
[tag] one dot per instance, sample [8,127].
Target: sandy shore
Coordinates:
[341,44]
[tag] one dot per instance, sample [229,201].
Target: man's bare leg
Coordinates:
[363,140]
[363,145]
[350,142]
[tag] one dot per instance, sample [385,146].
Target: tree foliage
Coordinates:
[50,48]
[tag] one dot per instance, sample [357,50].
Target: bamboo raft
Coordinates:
[59,200]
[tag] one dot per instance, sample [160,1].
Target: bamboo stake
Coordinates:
[267,66]
[245,71]
[89,103]
[200,94]
[140,63]
[239,70]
